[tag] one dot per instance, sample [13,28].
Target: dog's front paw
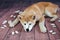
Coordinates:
[10,23]
[43,29]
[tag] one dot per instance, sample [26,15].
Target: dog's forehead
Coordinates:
[27,16]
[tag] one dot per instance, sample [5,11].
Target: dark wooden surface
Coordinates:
[35,34]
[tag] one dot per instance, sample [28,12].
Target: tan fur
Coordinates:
[39,10]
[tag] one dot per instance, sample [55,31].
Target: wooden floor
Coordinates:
[35,34]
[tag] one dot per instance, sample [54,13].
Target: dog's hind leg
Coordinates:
[54,18]
[51,12]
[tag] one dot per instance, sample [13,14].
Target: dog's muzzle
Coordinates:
[27,30]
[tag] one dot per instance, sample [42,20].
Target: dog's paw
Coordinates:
[44,30]
[10,23]
[52,20]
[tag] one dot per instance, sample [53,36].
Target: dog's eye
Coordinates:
[30,24]
[24,23]
[33,17]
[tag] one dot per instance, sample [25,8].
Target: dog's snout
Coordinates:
[27,30]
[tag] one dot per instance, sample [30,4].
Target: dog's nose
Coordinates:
[27,30]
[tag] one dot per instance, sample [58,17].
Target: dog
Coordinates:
[36,12]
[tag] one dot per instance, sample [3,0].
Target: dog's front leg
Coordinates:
[41,24]
[13,23]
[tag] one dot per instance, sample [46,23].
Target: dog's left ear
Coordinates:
[32,13]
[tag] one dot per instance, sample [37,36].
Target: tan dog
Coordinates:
[36,12]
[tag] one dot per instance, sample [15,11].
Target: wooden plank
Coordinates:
[51,37]
[39,35]
[57,36]
[18,27]
[58,27]
[9,35]
[2,12]
[5,30]
[58,23]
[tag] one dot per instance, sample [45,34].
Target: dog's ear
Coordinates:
[19,16]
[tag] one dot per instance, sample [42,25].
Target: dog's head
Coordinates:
[27,21]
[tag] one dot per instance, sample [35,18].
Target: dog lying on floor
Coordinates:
[36,12]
